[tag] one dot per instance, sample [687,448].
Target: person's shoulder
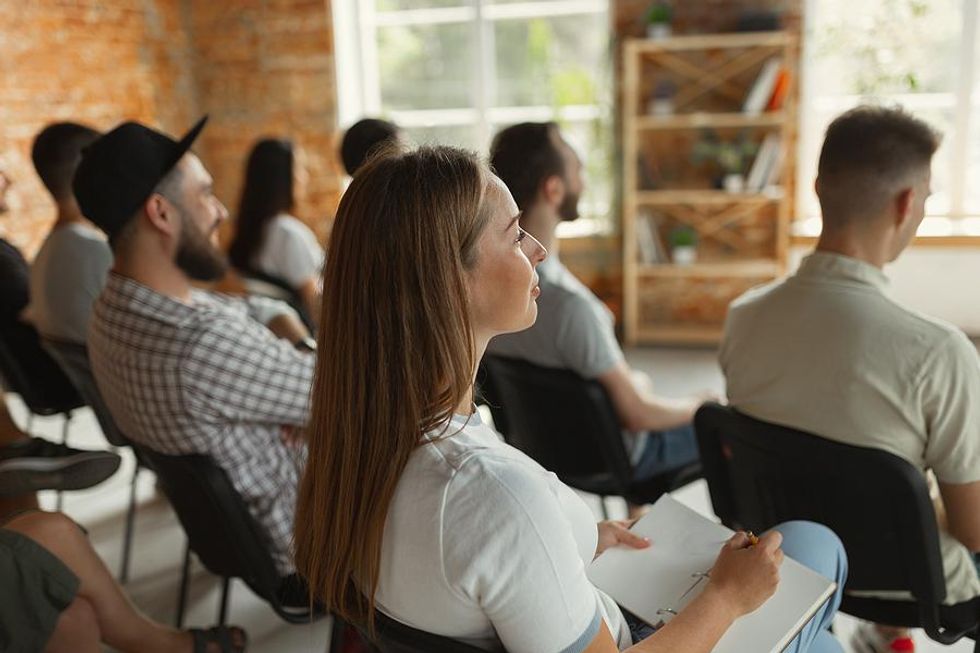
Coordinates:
[757,295]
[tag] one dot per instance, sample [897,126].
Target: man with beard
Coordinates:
[574,330]
[183,370]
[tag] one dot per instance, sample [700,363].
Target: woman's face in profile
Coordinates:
[503,285]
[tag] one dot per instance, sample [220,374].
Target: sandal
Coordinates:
[230,639]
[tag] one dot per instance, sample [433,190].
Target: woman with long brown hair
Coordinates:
[409,504]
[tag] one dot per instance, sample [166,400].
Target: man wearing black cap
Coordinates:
[183,370]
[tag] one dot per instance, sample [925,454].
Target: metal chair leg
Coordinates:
[184,582]
[64,440]
[128,531]
[223,609]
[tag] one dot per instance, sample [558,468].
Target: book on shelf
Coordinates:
[763,87]
[648,239]
[765,167]
[779,91]
[657,583]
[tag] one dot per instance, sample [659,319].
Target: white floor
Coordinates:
[159,542]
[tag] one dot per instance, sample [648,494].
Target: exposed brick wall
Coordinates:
[266,68]
[259,67]
[92,62]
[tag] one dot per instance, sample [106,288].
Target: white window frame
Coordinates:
[358,80]
[955,222]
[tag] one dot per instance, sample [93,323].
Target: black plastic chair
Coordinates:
[392,636]
[27,370]
[73,359]
[226,538]
[761,474]
[569,426]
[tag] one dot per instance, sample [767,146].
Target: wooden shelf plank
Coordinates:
[705,120]
[711,41]
[679,334]
[705,196]
[748,268]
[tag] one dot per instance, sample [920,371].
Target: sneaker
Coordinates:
[867,639]
[35,464]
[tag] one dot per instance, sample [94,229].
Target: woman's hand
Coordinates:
[746,575]
[614,532]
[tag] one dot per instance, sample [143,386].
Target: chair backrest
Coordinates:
[28,370]
[396,637]
[566,423]
[73,359]
[219,527]
[761,474]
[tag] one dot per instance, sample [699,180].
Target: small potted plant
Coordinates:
[732,157]
[662,101]
[658,20]
[683,245]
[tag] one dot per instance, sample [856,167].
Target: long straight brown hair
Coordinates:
[395,357]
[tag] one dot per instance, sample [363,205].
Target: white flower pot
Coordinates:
[658,31]
[660,107]
[685,254]
[733,183]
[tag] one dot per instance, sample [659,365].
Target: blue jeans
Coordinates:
[666,450]
[818,548]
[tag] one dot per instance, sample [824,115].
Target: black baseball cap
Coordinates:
[119,171]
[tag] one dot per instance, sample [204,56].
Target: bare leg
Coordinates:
[77,630]
[121,625]
[9,433]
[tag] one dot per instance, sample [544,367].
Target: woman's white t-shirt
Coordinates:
[483,545]
[290,251]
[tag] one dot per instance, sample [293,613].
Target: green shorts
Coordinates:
[35,588]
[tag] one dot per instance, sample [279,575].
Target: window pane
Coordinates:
[465,136]
[902,52]
[398,5]
[882,47]
[426,66]
[554,61]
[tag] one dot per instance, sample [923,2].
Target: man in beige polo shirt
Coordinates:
[826,351]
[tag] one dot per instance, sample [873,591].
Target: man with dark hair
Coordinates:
[29,464]
[574,330]
[182,370]
[828,352]
[363,139]
[70,269]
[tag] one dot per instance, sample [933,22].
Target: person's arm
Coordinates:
[742,579]
[639,410]
[950,395]
[309,293]
[962,507]
[278,317]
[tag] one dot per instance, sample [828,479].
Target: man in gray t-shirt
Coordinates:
[71,267]
[574,330]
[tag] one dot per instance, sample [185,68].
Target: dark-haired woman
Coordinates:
[269,242]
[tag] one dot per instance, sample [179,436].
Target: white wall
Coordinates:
[939,281]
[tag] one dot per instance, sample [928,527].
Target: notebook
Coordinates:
[658,582]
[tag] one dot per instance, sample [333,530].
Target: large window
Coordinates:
[455,71]
[919,54]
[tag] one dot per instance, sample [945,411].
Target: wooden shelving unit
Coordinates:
[743,237]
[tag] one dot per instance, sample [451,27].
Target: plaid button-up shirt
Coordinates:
[207,378]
